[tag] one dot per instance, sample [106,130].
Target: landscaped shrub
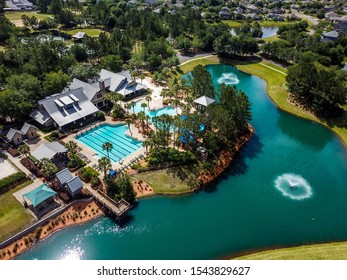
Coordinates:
[101,116]
[32,158]
[87,173]
[12,181]
[95,182]
[54,136]
[159,156]
[75,162]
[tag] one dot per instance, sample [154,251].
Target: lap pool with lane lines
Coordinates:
[123,145]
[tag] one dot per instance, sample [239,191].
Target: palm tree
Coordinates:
[176,103]
[104,164]
[134,74]
[144,105]
[72,147]
[48,169]
[128,122]
[148,98]
[133,104]
[142,77]
[142,117]
[108,147]
[24,149]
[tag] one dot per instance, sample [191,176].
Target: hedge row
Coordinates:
[12,181]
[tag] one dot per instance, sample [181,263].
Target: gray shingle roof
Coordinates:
[331,34]
[62,116]
[48,150]
[116,80]
[26,126]
[64,176]
[40,116]
[12,132]
[120,82]
[74,184]
[89,89]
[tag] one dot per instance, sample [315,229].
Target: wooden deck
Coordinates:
[118,208]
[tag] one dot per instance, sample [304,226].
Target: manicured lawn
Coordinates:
[275,66]
[167,181]
[271,39]
[12,214]
[330,251]
[275,89]
[18,15]
[187,67]
[88,31]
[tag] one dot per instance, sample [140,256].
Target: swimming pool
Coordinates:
[123,145]
[165,110]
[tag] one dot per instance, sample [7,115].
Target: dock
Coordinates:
[117,208]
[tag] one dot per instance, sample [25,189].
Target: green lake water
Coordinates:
[245,211]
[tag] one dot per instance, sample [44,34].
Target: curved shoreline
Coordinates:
[301,113]
[30,239]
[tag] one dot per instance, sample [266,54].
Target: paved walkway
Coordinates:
[197,58]
[273,69]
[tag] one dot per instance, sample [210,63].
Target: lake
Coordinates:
[267,31]
[286,187]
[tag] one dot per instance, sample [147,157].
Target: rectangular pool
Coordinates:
[123,145]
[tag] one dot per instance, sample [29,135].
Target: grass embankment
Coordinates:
[276,90]
[177,179]
[329,251]
[12,214]
[189,65]
[167,181]
[263,23]
[15,16]
[89,31]
[271,39]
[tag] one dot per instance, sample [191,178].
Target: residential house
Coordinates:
[253,16]
[65,110]
[330,36]
[15,136]
[341,25]
[332,16]
[71,184]
[29,131]
[224,15]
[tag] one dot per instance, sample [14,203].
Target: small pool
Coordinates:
[123,145]
[165,110]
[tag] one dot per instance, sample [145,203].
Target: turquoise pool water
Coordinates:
[123,145]
[252,207]
[165,110]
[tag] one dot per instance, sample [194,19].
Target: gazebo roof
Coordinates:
[40,194]
[204,100]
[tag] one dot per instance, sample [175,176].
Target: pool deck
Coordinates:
[155,104]
[91,154]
